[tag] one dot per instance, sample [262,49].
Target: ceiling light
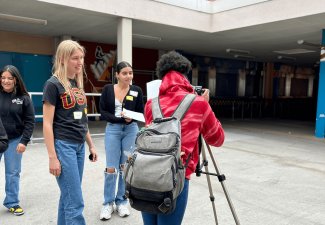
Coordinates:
[294,51]
[23,19]
[244,56]
[147,37]
[303,42]
[286,58]
[230,50]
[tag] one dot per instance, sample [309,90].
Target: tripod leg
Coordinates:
[205,163]
[221,181]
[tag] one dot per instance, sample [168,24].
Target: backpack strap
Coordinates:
[183,106]
[180,111]
[156,110]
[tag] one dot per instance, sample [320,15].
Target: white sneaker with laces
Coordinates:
[106,212]
[122,210]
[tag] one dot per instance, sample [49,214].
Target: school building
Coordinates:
[259,58]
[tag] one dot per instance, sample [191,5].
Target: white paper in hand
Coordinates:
[153,89]
[134,115]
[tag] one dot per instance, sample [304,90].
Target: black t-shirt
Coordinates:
[70,117]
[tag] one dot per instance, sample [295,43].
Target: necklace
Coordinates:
[120,93]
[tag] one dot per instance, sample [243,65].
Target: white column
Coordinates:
[241,82]
[195,75]
[124,40]
[310,86]
[66,37]
[288,85]
[59,39]
[212,80]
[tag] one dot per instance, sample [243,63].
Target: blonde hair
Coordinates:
[64,51]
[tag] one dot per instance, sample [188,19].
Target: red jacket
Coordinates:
[199,119]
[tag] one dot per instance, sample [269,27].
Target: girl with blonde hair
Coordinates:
[65,128]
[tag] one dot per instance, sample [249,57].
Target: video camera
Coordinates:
[198,90]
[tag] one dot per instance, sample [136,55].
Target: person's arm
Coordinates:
[92,149]
[139,106]
[206,95]
[211,128]
[104,106]
[29,123]
[48,116]
[3,138]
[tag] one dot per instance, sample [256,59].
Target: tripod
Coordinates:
[221,178]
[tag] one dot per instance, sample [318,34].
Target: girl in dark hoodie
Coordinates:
[18,118]
[3,138]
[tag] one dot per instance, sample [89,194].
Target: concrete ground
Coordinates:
[275,176]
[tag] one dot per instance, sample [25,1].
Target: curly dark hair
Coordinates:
[173,61]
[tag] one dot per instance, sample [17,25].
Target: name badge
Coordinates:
[77,115]
[130,98]
[134,93]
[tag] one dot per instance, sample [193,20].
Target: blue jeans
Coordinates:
[71,204]
[176,217]
[119,144]
[12,173]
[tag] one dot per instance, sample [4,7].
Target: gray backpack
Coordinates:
[155,174]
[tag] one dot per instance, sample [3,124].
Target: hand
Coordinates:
[127,119]
[55,167]
[205,95]
[21,148]
[93,152]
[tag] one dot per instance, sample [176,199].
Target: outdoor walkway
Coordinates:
[275,176]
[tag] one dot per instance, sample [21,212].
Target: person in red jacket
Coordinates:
[173,68]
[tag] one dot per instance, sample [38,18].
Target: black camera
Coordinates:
[198,90]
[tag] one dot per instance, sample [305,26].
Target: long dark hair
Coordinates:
[122,65]
[20,88]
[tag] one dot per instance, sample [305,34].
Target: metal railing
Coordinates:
[237,108]
[257,108]
[31,94]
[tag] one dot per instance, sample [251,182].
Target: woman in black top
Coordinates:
[120,136]
[18,118]
[3,138]
[65,129]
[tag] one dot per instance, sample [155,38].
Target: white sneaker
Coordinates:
[122,210]
[106,212]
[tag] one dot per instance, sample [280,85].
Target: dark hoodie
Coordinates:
[17,114]
[3,138]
